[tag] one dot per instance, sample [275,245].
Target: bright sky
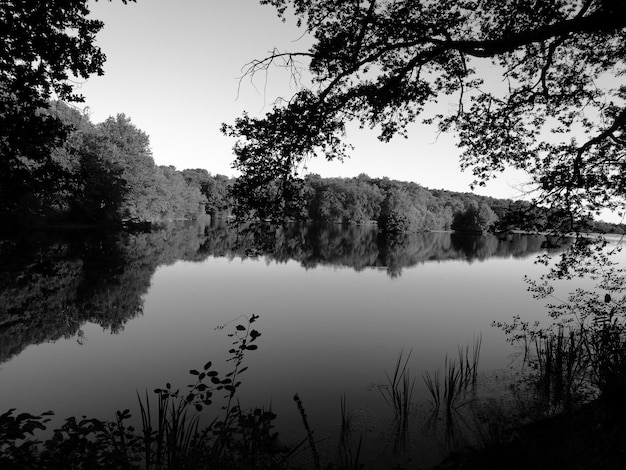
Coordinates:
[173,68]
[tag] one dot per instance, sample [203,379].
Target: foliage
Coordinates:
[398,214]
[474,219]
[45,46]
[173,436]
[53,161]
[381,63]
[400,207]
[214,188]
[583,350]
[105,175]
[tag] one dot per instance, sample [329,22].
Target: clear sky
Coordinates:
[173,67]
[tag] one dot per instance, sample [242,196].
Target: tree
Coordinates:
[101,188]
[130,151]
[45,44]
[179,199]
[380,62]
[398,214]
[475,218]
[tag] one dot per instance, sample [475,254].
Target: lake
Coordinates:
[87,319]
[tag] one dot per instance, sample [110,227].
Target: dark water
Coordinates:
[86,319]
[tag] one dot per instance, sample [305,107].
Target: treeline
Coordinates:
[398,206]
[104,174]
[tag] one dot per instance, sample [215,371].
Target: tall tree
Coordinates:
[398,214]
[45,44]
[475,218]
[380,62]
[130,151]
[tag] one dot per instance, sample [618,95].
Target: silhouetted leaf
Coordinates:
[607,298]
[240,328]
[202,376]
[252,347]
[207,365]
[198,407]
[215,380]
[193,372]
[212,373]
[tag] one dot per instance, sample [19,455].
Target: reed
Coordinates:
[434,388]
[452,381]
[398,391]
[349,460]
[457,378]
[346,418]
[170,440]
[309,432]
[562,363]
[468,363]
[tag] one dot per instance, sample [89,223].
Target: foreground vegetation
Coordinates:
[170,432]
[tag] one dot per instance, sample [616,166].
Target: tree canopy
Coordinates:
[45,45]
[558,111]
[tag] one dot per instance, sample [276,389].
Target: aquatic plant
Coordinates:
[346,418]
[398,391]
[458,378]
[309,432]
[434,388]
[349,459]
[582,353]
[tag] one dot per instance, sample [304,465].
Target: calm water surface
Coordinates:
[88,320]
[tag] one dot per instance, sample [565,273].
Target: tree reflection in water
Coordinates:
[51,285]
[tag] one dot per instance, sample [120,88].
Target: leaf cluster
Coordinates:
[557,110]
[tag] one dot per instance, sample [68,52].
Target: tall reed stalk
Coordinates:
[457,378]
[398,391]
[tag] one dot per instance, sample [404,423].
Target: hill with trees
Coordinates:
[105,175]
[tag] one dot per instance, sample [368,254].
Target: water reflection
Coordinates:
[361,247]
[50,286]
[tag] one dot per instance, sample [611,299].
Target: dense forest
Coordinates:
[399,206]
[104,174]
